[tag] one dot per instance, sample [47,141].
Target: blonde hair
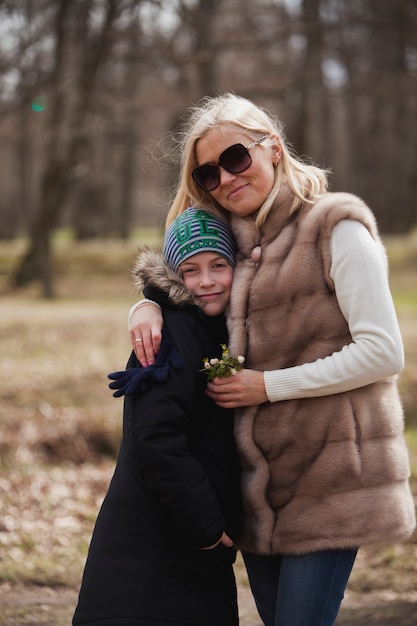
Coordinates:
[306,181]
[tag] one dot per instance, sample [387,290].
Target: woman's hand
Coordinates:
[145,332]
[246,388]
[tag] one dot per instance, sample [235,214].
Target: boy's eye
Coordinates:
[188,270]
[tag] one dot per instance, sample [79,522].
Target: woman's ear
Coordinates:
[276,149]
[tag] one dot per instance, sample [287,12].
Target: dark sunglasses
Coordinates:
[235,160]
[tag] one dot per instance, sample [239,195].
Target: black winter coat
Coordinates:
[174,491]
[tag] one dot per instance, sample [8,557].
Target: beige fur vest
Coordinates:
[318,473]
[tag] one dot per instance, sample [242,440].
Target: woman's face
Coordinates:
[241,194]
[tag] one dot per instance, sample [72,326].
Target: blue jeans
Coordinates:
[299,590]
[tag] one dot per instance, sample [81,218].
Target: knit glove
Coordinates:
[141,378]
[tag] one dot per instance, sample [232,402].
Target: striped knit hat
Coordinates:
[197,231]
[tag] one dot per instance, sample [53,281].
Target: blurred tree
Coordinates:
[97,154]
[312,100]
[65,152]
[131,129]
[374,49]
[205,52]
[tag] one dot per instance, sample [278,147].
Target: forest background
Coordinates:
[90,94]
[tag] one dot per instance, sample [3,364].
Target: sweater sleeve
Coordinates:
[359,273]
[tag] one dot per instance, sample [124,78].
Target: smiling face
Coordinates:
[209,276]
[241,194]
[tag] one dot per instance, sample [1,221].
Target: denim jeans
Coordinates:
[299,590]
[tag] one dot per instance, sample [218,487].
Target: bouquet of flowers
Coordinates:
[226,366]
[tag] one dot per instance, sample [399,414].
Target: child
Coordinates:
[162,549]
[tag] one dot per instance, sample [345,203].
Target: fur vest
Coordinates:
[318,473]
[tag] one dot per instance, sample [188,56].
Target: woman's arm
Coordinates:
[145,329]
[376,351]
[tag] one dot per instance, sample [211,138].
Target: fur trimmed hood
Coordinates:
[151,270]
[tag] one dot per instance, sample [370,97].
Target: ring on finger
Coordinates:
[138,341]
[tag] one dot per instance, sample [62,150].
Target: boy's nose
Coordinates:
[206,278]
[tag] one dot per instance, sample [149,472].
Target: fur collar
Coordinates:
[248,235]
[151,270]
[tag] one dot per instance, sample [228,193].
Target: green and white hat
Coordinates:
[197,231]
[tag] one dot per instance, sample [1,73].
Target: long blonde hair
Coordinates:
[306,181]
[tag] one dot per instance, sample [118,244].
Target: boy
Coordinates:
[162,548]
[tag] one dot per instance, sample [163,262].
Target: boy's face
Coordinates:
[209,276]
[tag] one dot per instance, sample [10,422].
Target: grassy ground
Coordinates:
[60,430]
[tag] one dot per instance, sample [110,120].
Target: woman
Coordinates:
[162,548]
[320,424]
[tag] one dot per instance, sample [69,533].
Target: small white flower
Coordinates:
[226,366]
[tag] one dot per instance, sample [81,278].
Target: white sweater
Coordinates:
[359,274]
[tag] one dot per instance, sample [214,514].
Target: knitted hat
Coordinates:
[197,231]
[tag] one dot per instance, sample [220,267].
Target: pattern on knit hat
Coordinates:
[197,231]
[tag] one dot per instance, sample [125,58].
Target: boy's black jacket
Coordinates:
[174,491]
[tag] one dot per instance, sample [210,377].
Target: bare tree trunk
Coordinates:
[36,264]
[62,155]
[309,133]
[130,130]
[205,53]
[23,156]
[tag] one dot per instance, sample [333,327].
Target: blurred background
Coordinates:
[90,93]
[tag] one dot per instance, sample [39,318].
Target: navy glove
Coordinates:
[141,378]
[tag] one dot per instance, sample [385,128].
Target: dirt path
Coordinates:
[45,606]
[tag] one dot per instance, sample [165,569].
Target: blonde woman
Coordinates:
[319,423]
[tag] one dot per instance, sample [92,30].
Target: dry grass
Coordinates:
[60,425]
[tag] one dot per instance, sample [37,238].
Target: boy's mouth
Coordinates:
[208,296]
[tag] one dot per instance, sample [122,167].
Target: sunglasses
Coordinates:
[235,160]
